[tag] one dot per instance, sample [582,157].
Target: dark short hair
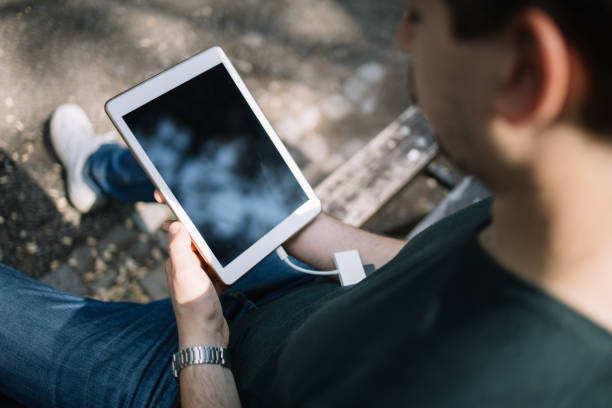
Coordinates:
[587,25]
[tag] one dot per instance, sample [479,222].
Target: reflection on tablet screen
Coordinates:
[218,161]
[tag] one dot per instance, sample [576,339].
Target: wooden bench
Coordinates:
[359,188]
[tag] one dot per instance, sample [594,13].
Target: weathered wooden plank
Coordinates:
[359,188]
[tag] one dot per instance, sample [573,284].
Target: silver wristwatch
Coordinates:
[198,355]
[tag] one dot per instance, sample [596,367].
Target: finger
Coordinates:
[159,197]
[185,258]
[179,248]
[166,224]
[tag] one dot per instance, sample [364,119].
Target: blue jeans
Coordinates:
[58,349]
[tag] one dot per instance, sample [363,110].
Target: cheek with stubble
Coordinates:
[429,95]
[448,114]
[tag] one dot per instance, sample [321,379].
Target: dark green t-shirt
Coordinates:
[441,325]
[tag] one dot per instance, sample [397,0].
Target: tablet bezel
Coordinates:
[135,97]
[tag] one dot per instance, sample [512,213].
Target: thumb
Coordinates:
[185,262]
[179,248]
[186,280]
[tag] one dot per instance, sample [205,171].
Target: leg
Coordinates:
[63,350]
[271,278]
[116,172]
[267,281]
[82,352]
[96,166]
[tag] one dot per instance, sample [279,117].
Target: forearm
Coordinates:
[318,241]
[208,385]
[205,385]
[200,322]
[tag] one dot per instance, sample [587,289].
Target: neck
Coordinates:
[556,232]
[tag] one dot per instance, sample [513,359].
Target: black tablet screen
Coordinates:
[218,160]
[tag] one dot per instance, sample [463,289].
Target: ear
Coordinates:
[535,85]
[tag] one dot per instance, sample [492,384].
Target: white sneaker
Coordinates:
[74,140]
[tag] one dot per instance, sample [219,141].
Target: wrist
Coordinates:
[190,335]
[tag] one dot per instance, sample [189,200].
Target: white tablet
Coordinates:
[199,135]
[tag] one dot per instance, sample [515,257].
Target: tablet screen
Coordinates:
[218,160]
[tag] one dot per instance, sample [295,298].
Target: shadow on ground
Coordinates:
[33,233]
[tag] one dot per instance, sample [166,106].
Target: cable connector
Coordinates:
[348,264]
[350,268]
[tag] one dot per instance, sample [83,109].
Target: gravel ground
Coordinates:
[326,72]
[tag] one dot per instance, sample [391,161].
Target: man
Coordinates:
[509,309]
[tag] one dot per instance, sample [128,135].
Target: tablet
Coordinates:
[197,132]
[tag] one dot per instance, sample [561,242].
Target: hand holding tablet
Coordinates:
[210,151]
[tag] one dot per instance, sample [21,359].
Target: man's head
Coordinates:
[494,76]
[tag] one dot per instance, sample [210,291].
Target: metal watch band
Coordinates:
[198,355]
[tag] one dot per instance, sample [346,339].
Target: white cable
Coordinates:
[282,254]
